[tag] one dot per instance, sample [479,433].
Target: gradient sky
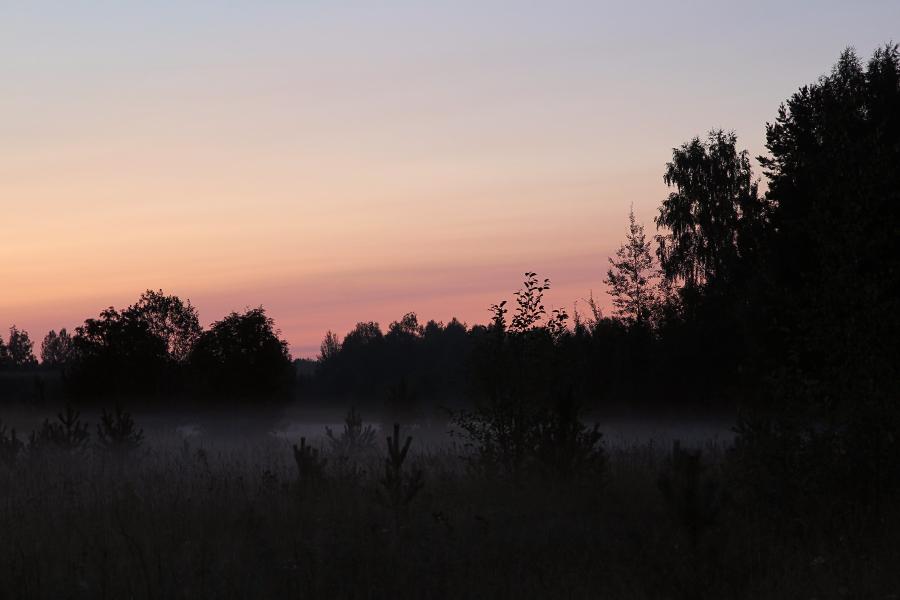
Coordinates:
[345,161]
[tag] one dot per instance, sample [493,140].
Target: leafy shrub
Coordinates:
[522,420]
[511,436]
[502,435]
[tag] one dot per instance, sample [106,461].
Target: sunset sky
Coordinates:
[347,161]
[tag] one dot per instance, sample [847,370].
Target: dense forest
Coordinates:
[772,296]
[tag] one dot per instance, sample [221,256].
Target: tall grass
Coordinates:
[177,519]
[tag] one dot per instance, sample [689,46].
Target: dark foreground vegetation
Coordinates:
[781,306]
[365,516]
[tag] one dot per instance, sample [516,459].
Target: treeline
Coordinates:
[777,301]
[680,333]
[156,348]
[783,301]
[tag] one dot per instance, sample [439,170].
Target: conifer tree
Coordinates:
[630,277]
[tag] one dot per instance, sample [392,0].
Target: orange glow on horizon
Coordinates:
[338,163]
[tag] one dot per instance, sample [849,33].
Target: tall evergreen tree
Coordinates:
[631,275]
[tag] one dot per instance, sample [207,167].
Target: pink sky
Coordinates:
[345,162]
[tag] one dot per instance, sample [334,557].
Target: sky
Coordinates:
[345,161]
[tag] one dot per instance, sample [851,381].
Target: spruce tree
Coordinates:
[630,277]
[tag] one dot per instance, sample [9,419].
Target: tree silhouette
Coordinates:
[630,278]
[363,335]
[57,348]
[330,347]
[829,293]
[19,350]
[139,350]
[715,198]
[116,354]
[370,366]
[407,327]
[169,318]
[242,355]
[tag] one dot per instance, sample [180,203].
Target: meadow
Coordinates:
[238,513]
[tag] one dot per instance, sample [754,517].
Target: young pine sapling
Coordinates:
[10,446]
[399,487]
[68,435]
[310,467]
[118,433]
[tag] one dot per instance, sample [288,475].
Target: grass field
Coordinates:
[194,518]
